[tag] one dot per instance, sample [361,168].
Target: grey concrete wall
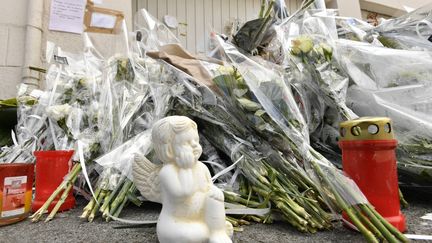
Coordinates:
[13,17]
[12,35]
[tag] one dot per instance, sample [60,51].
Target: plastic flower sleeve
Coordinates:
[35,131]
[31,129]
[339,191]
[320,22]
[125,95]
[121,157]
[193,99]
[318,84]
[253,74]
[313,52]
[220,128]
[373,67]
[212,158]
[151,33]
[394,83]
[124,91]
[409,108]
[411,31]
[74,108]
[269,90]
[147,104]
[310,105]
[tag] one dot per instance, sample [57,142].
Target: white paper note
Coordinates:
[103,20]
[67,15]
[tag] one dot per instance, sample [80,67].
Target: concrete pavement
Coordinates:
[68,227]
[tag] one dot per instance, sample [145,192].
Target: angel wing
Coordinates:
[146,178]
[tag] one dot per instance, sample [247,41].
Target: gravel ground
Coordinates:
[67,227]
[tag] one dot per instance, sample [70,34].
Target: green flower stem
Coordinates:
[403,202]
[232,220]
[120,198]
[120,208]
[379,224]
[300,179]
[302,199]
[389,226]
[96,200]
[316,224]
[294,206]
[287,210]
[233,197]
[311,214]
[255,218]
[105,214]
[131,196]
[283,205]
[279,193]
[262,9]
[312,230]
[243,222]
[321,218]
[113,194]
[60,202]
[76,169]
[100,198]
[89,207]
[343,205]
[132,190]
[263,192]
[269,9]
[350,211]
[106,202]
[369,225]
[296,225]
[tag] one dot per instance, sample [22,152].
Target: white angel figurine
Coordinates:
[192,207]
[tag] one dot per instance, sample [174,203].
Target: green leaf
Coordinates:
[260,112]
[248,104]
[9,102]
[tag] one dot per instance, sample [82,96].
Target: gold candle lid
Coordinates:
[366,128]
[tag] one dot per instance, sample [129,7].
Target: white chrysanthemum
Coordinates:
[94,107]
[67,86]
[58,112]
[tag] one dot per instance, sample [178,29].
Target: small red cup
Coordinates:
[51,168]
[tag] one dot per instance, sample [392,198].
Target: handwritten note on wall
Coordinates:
[67,15]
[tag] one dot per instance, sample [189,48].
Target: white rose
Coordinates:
[303,44]
[58,112]
[67,86]
[94,107]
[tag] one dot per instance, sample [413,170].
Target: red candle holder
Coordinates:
[369,159]
[16,184]
[51,168]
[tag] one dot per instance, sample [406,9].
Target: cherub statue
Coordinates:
[192,207]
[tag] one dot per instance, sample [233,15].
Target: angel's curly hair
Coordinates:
[164,132]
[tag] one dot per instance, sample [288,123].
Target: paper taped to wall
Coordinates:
[101,20]
[67,16]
